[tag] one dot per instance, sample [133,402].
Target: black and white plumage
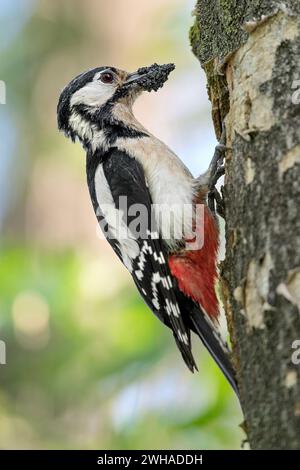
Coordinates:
[124,161]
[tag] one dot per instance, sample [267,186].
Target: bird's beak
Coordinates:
[150,78]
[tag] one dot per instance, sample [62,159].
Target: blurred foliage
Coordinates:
[88,366]
[71,389]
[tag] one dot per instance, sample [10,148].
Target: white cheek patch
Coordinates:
[93,94]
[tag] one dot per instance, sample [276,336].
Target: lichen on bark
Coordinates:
[250,51]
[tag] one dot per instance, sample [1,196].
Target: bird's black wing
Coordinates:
[148,263]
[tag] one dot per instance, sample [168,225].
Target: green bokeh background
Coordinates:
[88,366]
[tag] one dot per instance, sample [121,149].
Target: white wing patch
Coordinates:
[128,245]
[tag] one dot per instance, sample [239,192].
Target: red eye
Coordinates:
[107,77]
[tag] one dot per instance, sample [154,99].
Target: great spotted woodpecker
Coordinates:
[126,162]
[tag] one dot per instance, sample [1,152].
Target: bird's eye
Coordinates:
[107,77]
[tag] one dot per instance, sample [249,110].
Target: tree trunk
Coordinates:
[250,51]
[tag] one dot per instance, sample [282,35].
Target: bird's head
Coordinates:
[92,99]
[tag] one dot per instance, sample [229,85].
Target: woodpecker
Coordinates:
[125,162]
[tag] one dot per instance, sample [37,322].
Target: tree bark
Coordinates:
[250,51]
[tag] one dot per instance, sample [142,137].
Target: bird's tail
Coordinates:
[212,340]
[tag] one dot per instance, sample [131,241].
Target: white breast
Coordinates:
[171,186]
